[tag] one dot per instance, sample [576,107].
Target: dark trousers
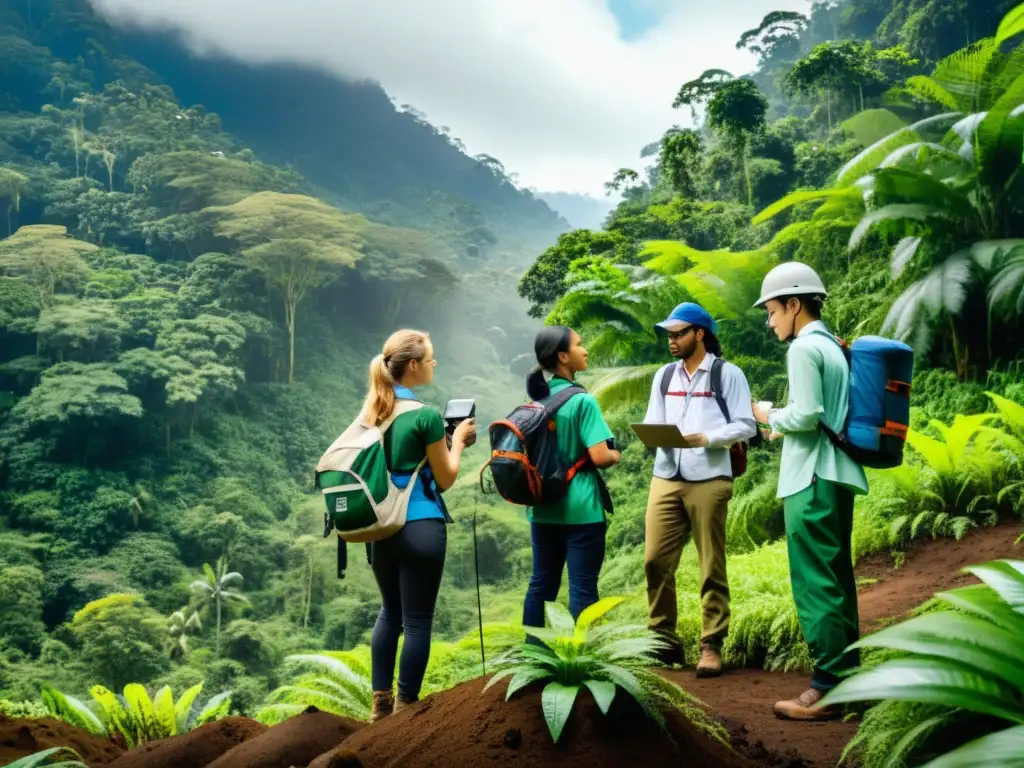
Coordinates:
[408,568]
[581,547]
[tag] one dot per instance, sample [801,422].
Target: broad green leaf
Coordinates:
[1005,580]
[593,613]
[557,701]
[925,88]
[910,738]
[796,198]
[903,254]
[523,678]
[870,158]
[999,137]
[215,708]
[976,644]
[1011,412]
[500,675]
[163,709]
[544,634]
[980,600]
[1011,25]
[928,681]
[44,758]
[1002,749]
[603,693]
[893,212]
[869,126]
[559,618]
[183,708]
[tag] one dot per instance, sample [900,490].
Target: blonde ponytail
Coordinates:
[388,367]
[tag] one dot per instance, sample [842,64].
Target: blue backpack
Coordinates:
[879,414]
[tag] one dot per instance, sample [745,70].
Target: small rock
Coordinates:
[513,738]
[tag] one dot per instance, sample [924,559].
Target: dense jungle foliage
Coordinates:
[187,310]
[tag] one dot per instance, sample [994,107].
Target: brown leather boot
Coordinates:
[383,705]
[710,664]
[806,708]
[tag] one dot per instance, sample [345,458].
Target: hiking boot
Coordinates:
[401,704]
[710,664]
[383,705]
[806,708]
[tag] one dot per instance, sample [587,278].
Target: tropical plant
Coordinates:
[602,658]
[962,660]
[217,588]
[340,684]
[179,624]
[45,758]
[134,717]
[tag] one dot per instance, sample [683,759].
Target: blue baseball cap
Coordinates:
[687,313]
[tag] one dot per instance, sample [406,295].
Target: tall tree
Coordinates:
[44,256]
[297,242]
[11,185]
[738,110]
[217,587]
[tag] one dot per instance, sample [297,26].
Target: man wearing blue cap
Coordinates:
[691,488]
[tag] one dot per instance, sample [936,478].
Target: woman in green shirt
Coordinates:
[570,531]
[408,565]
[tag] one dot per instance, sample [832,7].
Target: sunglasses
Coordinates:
[677,335]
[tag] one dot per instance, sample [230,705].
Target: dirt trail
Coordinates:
[744,697]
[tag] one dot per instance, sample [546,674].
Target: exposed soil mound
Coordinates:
[297,741]
[339,757]
[463,726]
[20,737]
[195,749]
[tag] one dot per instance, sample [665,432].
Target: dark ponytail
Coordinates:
[712,344]
[550,342]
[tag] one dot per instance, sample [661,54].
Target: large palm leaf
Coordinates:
[969,660]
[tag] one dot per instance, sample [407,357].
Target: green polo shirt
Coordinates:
[578,425]
[819,380]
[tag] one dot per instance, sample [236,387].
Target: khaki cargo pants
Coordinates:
[677,510]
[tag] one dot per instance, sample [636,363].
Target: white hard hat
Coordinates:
[790,279]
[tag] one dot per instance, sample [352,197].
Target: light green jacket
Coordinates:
[818,391]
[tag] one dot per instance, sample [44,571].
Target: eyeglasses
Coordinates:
[677,335]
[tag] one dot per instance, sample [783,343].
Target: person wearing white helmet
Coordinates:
[817,482]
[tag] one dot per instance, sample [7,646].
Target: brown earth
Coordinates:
[195,749]
[21,737]
[296,742]
[464,726]
[743,698]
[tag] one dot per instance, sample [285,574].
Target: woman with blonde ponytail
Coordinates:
[408,566]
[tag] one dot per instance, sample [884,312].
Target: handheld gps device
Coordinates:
[458,411]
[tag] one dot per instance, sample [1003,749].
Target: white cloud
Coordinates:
[547,86]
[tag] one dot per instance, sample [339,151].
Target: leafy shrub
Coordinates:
[952,662]
[134,718]
[17,709]
[43,758]
[601,658]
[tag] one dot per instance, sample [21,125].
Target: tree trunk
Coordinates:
[168,439]
[828,107]
[289,310]
[9,230]
[309,595]
[960,353]
[218,624]
[746,174]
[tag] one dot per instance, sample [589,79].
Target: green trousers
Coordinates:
[819,525]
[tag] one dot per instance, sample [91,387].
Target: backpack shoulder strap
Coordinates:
[666,379]
[716,386]
[563,397]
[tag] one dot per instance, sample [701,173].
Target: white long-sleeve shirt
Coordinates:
[692,407]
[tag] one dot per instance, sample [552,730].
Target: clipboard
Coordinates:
[664,436]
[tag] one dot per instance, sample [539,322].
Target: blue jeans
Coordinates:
[555,546]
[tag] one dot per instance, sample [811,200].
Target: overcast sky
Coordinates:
[563,92]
